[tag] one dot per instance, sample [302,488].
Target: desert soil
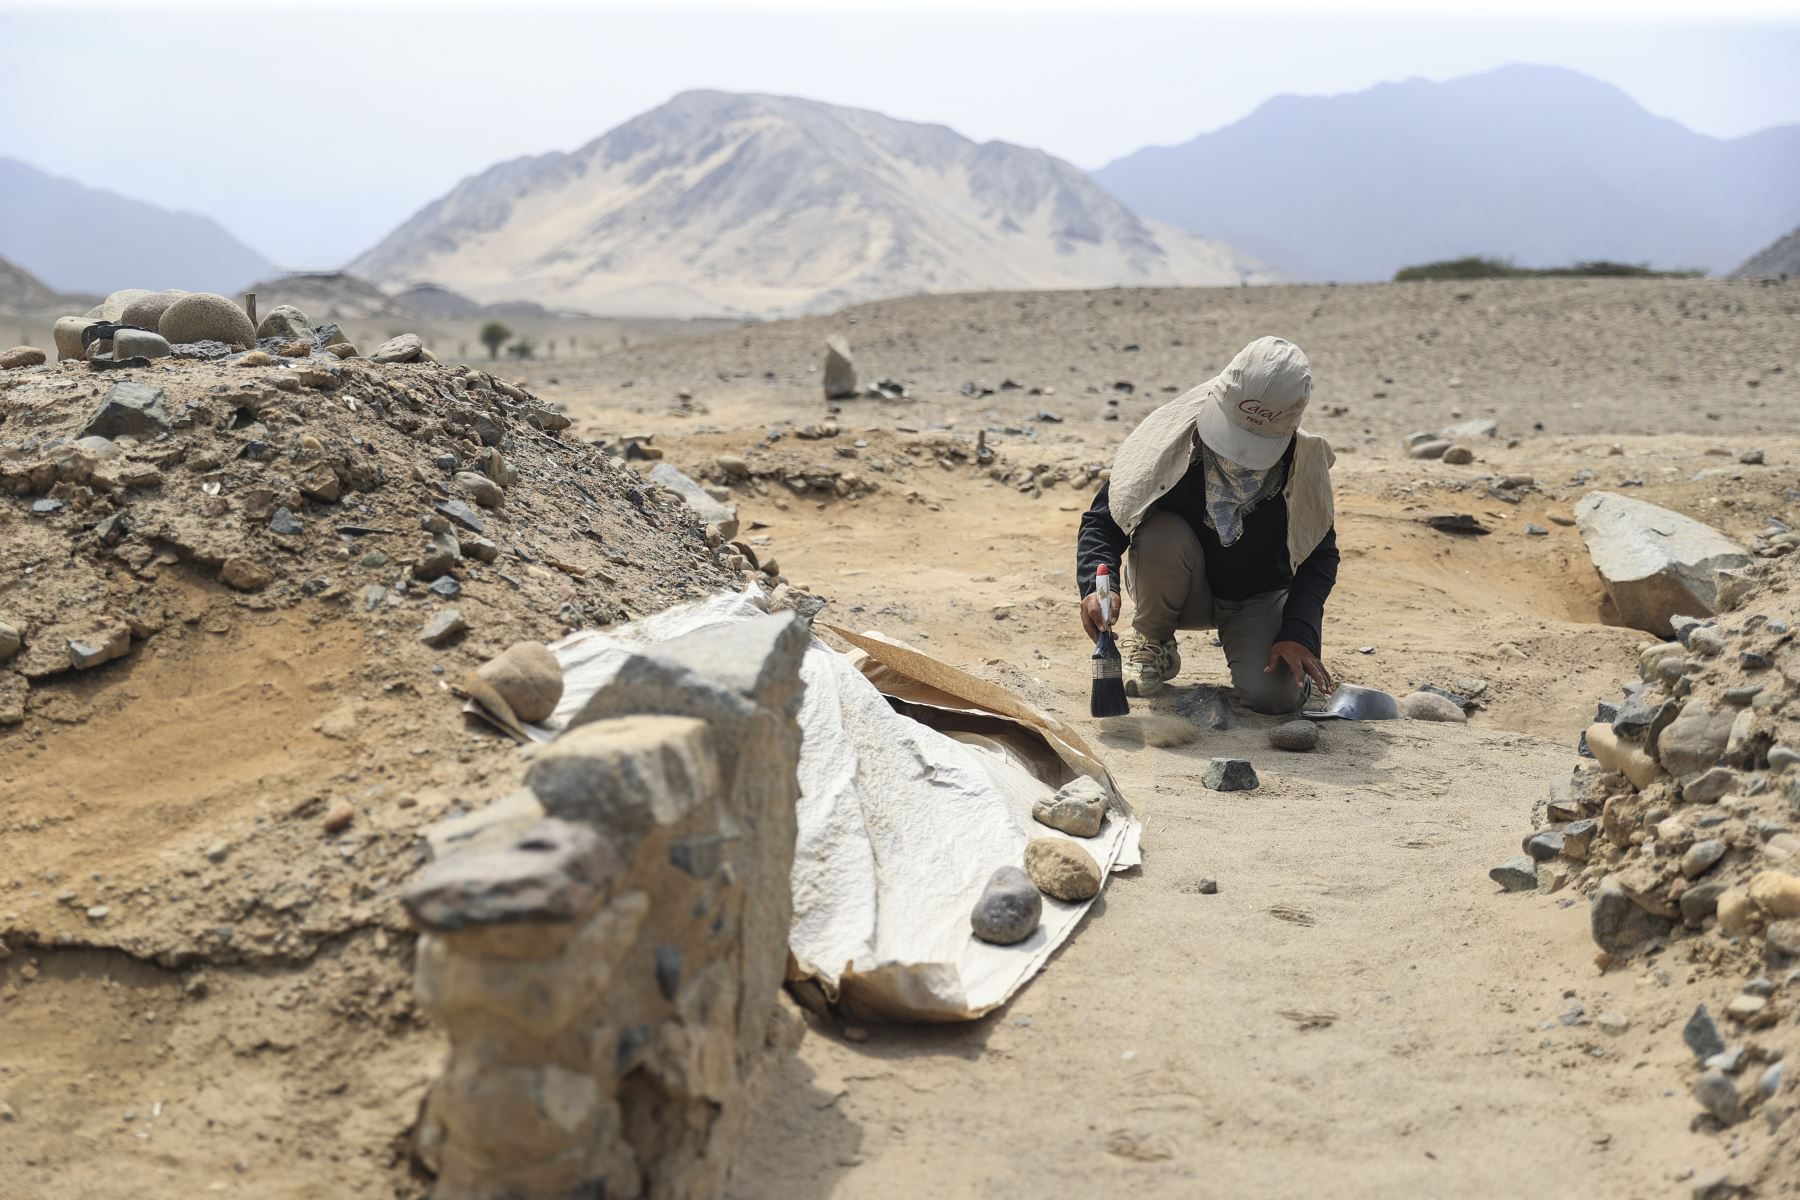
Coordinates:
[1356,1011]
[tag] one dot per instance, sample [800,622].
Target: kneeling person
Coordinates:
[1219,508]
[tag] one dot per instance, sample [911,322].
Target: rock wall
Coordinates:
[605,948]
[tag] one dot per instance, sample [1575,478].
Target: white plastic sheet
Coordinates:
[903,816]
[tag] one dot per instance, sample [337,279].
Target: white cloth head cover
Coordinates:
[1253,414]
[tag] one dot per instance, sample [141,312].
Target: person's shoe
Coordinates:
[1148,664]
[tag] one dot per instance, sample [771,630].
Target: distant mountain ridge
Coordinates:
[81,239]
[1541,164]
[1778,261]
[717,202]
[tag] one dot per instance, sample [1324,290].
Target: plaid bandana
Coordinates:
[1233,492]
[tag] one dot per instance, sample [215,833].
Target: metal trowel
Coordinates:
[1352,703]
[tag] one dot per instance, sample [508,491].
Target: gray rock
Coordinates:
[1730,1061]
[99,646]
[285,323]
[1481,427]
[1230,775]
[129,410]
[1078,808]
[1298,736]
[442,627]
[1770,1081]
[136,343]
[1718,1096]
[146,312]
[1702,1035]
[1617,923]
[1517,874]
[403,349]
[1782,757]
[285,522]
[481,489]
[205,317]
[711,513]
[1701,857]
[1710,787]
[1542,847]
[1784,936]
[1430,450]
[446,586]
[1009,909]
[1700,902]
[554,872]
[1694,740]
[840,369]
[463,515]
[1655,564]
[1206,707]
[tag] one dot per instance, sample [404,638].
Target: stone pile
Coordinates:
[1684,831]
[1010,907]
[383,491]
[605,948]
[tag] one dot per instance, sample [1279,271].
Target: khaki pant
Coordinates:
[1165,576]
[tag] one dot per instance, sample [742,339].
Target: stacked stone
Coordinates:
[605,951]
[1683,825]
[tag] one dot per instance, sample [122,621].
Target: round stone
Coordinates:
[286,322]
[21,356]
[1459,456]
[1009,908]
[527,676]
[1429,706]
[113,307]
[1298,736]
[205,317]
[146,312]
[1062,870]
[68,333]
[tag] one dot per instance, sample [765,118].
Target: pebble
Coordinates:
[138,343]
[481,489]
[1458,456]
[285,522]
[1782,757]
[405,348]
[447,587]
[1729,1061]
[98,912]
[1770,1081]
[1702,1035]
[1542,847]
[1613,1023]
[1746,1007]
[1429,706]
[1751,458]
[732,465]
[442,627]
[339,816]
[1432,449]
[1231,775]
[1711,787]
[217,851]
[1718,1095]
[1297,736]
[1518,874]
[1009,909]
[1537,531]
[1062,869]
[1700,857]
[1078,808]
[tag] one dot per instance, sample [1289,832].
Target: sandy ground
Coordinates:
[1355,1012]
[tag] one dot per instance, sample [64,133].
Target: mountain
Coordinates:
[724,203]
[325,296]
[81,239]
[21,291]
[1540,164]
[1778,261]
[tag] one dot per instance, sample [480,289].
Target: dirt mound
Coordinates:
[1682,831]
[220,730]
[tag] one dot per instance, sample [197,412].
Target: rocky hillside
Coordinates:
[1540,164]
[81,239]
[21,291]
[719,203]
[1779,261]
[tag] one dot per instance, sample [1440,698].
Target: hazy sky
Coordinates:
[312,131]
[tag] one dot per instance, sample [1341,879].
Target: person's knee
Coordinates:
[1273,694]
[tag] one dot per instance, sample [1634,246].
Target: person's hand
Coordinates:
[1302,663]
[1090,615]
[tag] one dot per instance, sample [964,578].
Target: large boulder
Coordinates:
[286,322]
[1656,564]
[205,317]
[67,334]
[113,307]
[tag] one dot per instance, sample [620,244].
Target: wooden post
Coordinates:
[250,306]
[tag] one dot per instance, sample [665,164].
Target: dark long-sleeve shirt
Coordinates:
[1256,563]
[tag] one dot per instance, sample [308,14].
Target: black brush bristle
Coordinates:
[1108,699]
